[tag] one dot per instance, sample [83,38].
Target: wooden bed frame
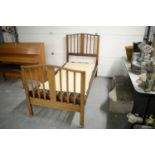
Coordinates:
[33,77]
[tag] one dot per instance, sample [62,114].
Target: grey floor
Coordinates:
[13,111]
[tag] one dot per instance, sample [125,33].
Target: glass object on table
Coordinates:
[135,65]
[143,68]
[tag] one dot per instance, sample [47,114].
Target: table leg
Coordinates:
[147,107]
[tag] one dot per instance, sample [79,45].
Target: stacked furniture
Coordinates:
[14,55]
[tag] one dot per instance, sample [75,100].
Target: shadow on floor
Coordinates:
[42,118]
[13,110]
[114,120]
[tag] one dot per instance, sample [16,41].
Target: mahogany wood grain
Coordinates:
[20,54]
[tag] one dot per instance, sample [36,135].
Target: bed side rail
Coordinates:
[74,83]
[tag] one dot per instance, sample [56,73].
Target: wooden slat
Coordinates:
[67,48]
[97,49]
[82,99]
[74,87]
[37,86]
[74,43]
[43,81]
[82,85]
[51,77]
[94,44]
[77,43]
[60,78]
[86,43]
[91,81]
[57,105]
[71,44]
[32,86]
[24,80]
[90,45]
[67,86]
[82,44]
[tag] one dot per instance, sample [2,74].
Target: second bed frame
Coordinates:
[85,45]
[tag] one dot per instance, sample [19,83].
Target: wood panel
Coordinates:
[21,54]
[19,60]
[15,74]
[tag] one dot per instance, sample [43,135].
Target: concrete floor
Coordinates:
[13,111]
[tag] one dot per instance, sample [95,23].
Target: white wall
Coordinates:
[112,43]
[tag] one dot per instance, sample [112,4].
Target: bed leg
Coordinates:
[30,109]
[82,118]
[96,74]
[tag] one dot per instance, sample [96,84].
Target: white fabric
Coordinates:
[82,59]
[86,67]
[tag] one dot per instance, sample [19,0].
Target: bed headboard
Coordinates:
[82,44]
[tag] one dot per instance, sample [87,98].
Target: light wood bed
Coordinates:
[65,87]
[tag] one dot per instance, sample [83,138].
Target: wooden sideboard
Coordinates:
[14,55]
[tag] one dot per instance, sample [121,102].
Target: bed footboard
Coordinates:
[54,87]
